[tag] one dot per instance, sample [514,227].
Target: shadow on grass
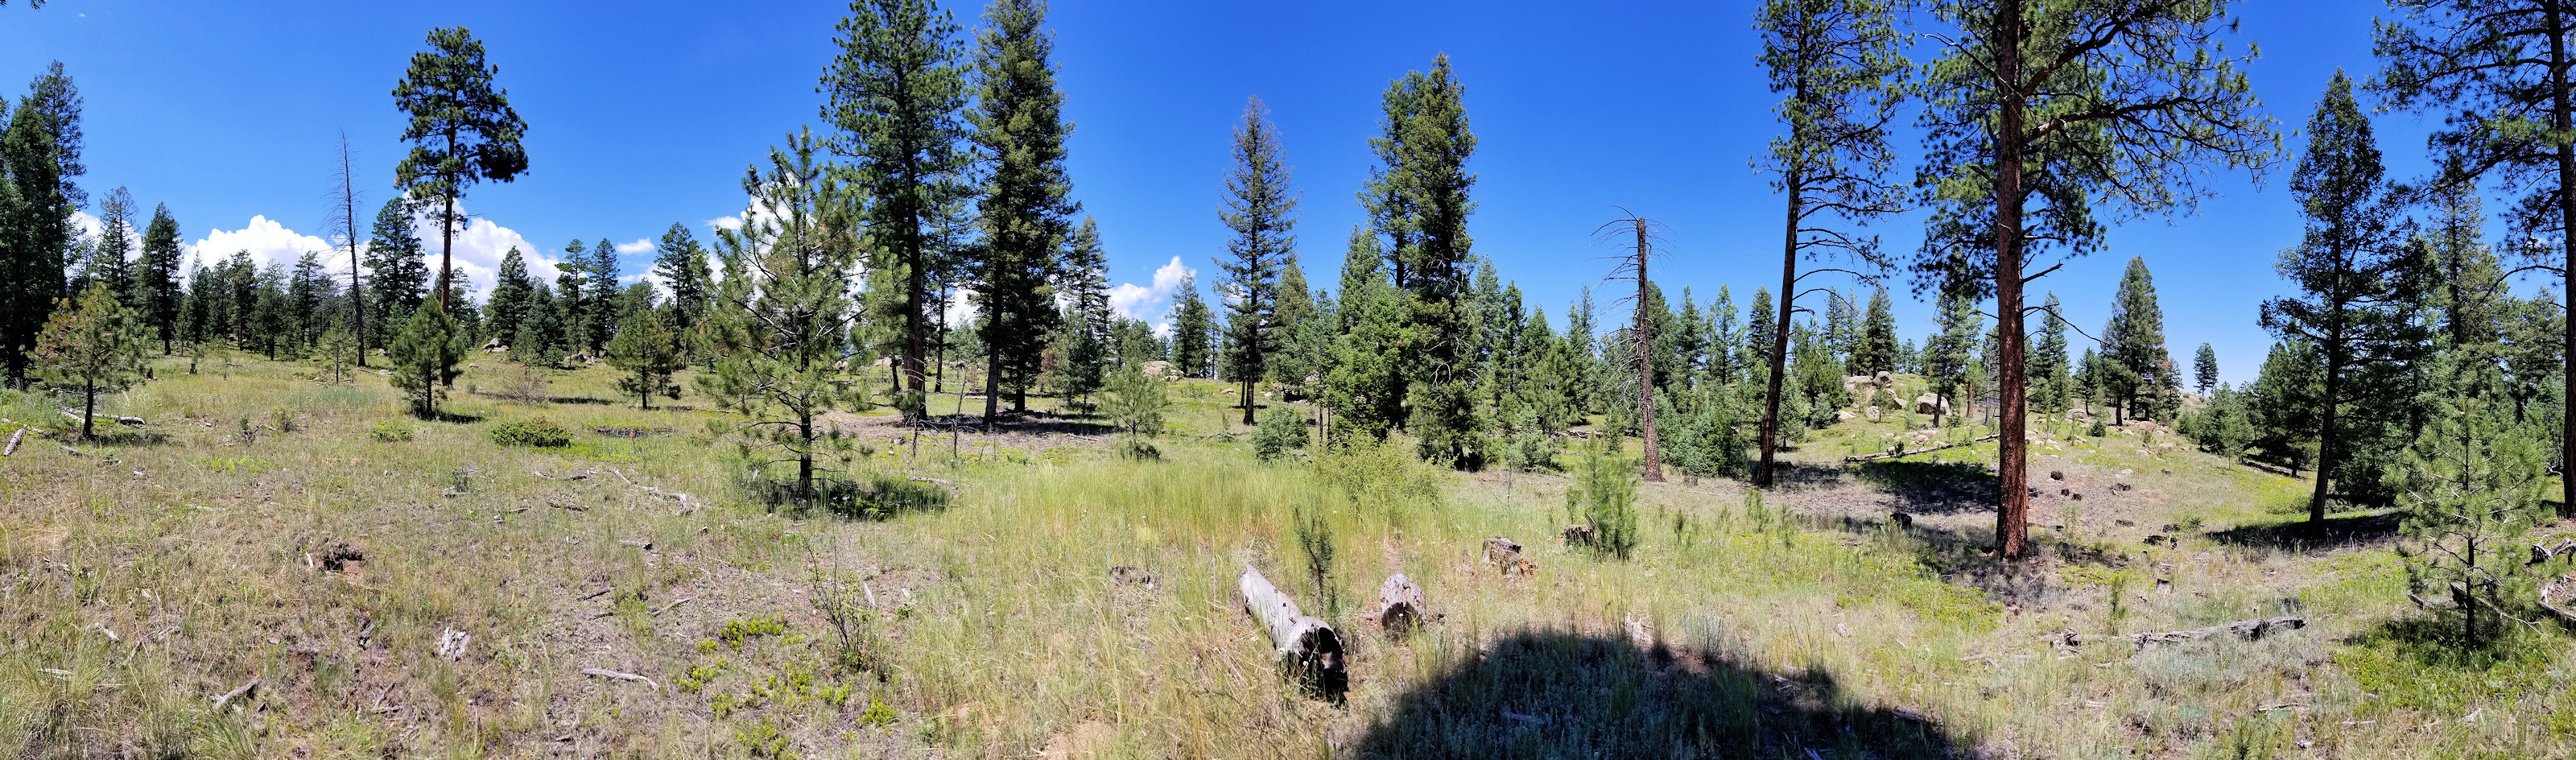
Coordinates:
[460,418]
[583,400]
[1564,694]
[1933,487]
[2367,529]
[878,497]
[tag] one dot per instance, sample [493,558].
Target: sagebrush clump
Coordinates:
[539,432]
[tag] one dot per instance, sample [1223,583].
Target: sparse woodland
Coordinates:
[773,501]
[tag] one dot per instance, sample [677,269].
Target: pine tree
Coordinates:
[1364,387]
[111,253]
[1875,350]
[1841,70]
[2349,268]
[1584,370]
[308,289]
[462,131]
[682,264]
[157,279]
[780,320]
[397,271]
[2470,487]
[93,345]
[41,151]
[2051,389]
[2283,402]
[1725,340]
[897,93]
[2134,343]
[2073,105]
[537,339]
[1760,334]
[2204,369]
[2499,68]
[1301,330]
[602,291]
[1026,207]
[648,350]
[513,298]
[575,301]
[1191,331]
[1085,281]
[425,356]
[1261,211]
[1951,351]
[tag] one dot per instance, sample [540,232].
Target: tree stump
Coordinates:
[1578,536]
[1506,554]
[1399,605]
[1307,649]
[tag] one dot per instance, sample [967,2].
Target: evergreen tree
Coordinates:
[2072,106]
[462,131]
[111,254]
[2134,343]
[2204,369]
[1191,331]
[308,290]
[537,338]
[1724,340]
[897,93]
[602,291]
[1584,371]
[2499,69]
[1026,207]
[2283,405]
[398,271]
[1840,68]
[648,350]
[780,320]
[1951,352]
[1260,209]
[41,152]
[1085,284]
[157,279]
[1301,329]
[1364,387]
[425,356]
[2051,389]
[1875,349]
[1761,333]
[682,264]
[2349,269]
[2471,487]
[93,345]
[513,299]
[2468,291]
[1431,143]
[576,303]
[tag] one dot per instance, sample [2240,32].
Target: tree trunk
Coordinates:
[1780,336]
[2012,470]
[2327,447]
[992,371]
[2560,119]
[1646,367]
[805,458]
[89,409]
[1307,649]
[1247,402]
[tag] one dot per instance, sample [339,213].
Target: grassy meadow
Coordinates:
[391,587]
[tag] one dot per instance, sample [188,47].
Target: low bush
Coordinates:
[391,432]
[539,432]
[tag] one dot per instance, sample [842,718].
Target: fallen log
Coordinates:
[574,476]
[1399,605]
[2557,596]
[13,443]
[606,673]
[236,693]
[1910,452]
[2539,553]
[126,421]
[1307,649]
[2249,630]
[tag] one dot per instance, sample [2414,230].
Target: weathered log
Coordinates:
[1307,649]
[126,421]
[14,437]
[2249,630]
[2539,553]
[1399,605]
[2556,595]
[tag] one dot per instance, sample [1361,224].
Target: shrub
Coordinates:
[540,432]
[391,432]
[1282,432]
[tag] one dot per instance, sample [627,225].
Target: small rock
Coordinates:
[2056,475]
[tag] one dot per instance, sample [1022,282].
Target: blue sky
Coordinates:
[646,113]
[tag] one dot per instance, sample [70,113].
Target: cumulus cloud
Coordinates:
[639,246]
[478,248]
[726,222]
[1150,303]
[267,241]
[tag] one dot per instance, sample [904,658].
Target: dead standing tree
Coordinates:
[1633,267]
[344,224]
[1840,64]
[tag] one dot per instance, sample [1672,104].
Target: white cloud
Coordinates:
[727,222]
[1150,303]
[266,240]
[639,246]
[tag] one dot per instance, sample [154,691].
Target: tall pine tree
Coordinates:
[397,271]
[1026,206]
[1261,211]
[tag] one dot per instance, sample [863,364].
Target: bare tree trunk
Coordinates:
[1646,365]
[2561,120]
[992,371]
[1780,336]
[348,192]
[2012,468]
[2327,446]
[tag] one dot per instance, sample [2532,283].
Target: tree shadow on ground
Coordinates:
[1933,487]
[2367,529]
[460,418]
[1550,694]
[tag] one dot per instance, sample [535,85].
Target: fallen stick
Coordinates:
[929,479]
[605,673]
[574,476]
[1910,452]
[236,693]
[667,607]
[13,443]
[2250,630]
